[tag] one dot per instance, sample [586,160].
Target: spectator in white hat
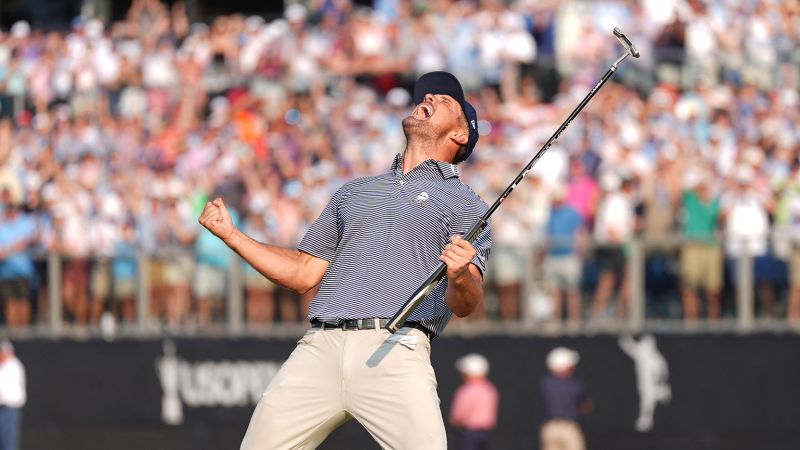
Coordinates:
[746,207]
[12,396]
[564,400]
[474,409]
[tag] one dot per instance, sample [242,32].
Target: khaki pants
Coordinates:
[333,376]
[562,435]
[701,265]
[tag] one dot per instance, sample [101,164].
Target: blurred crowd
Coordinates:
[114,135]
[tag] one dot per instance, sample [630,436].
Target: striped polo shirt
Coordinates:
[383,236]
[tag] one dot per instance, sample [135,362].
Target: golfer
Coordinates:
[372,246]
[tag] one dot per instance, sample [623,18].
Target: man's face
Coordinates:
[436,116]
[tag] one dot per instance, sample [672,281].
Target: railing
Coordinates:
[645,297]
[737,298]
[53,318]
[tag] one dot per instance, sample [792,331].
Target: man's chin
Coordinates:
[411,122]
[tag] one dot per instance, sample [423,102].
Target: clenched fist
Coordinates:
[217,219]
[457,255]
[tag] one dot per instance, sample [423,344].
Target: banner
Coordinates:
[657,392]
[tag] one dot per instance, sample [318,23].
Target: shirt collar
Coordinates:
[446,170]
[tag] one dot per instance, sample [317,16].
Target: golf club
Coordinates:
[433,280]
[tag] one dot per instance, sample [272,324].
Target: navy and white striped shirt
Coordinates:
[383,236]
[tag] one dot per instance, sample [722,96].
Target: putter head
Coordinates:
[626,42]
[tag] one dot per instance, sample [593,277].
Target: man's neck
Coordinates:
[415,155]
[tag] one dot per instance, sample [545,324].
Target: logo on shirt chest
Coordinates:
[422,198]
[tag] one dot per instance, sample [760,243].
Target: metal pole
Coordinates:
[744,291]
[235,297]
[530,280]
[142,291]
[636,293]
[54,292]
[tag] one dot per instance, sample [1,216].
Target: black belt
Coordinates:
[365,324]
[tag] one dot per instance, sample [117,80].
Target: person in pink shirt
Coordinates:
[474,409]
[582,190]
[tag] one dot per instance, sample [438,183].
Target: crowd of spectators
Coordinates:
[114,135]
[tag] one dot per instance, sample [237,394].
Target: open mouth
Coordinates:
[423,111]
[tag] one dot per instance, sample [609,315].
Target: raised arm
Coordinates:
[289,268]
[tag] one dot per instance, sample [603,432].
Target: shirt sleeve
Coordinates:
[322,238]
[483,243]
[483,246]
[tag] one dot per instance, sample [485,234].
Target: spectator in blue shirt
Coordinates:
[563,264]
[17,232]
[124,270]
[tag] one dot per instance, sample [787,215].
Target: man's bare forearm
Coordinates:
[286,267]
[464,293]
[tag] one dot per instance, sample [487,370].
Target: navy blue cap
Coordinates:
[445,83]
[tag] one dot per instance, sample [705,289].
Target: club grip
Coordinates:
[432,281]
[416,298]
